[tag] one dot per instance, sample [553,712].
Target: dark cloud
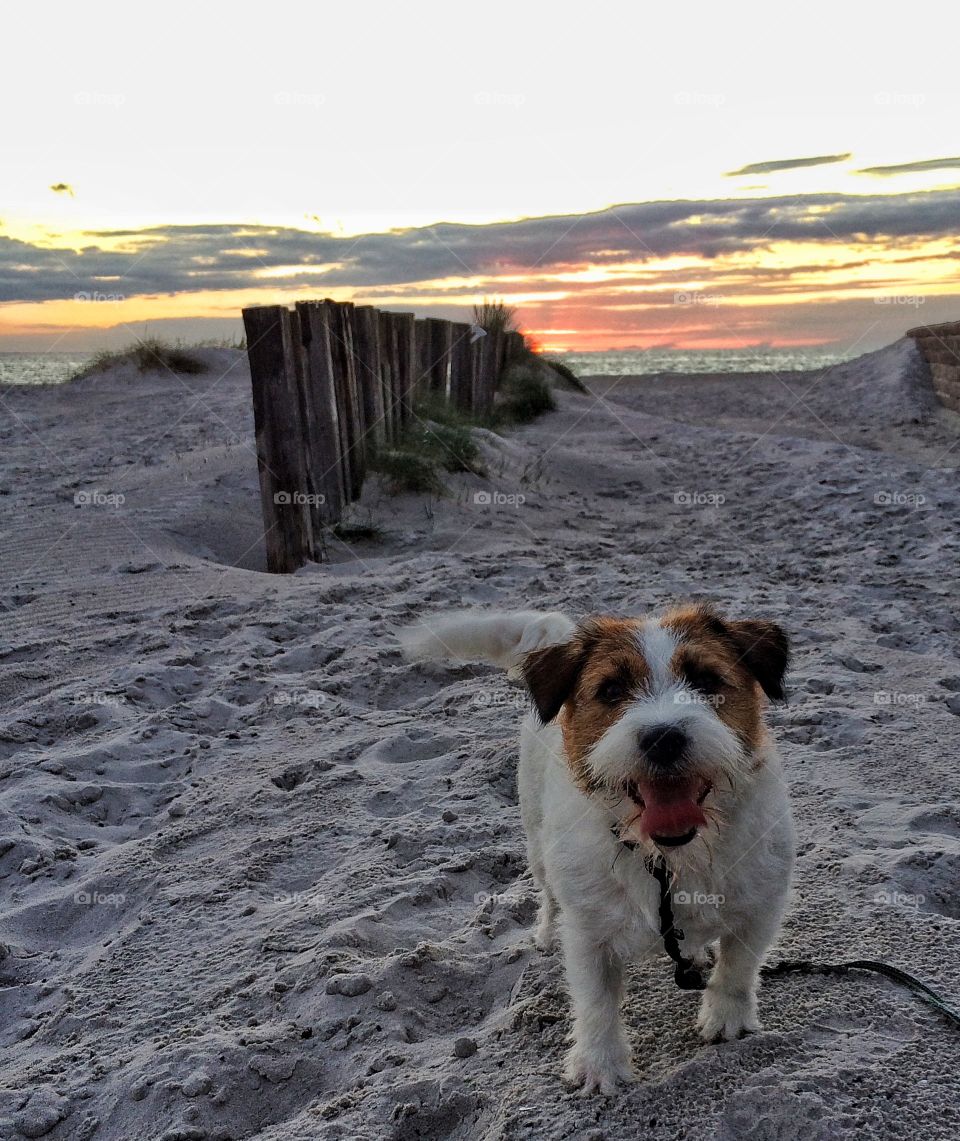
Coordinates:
[178,259]
[912,167]
[62,188]
[786,164]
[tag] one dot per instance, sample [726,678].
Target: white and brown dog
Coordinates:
[648,740]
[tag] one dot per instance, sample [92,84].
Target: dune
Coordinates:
[262,877]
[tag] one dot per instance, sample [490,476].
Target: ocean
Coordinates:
[40,368]
[56,368]
[643,362]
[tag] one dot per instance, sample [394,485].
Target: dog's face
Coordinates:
[656,714]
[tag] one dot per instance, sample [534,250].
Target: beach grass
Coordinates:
[494,316]
[146,354]
[436,440]
[524,392]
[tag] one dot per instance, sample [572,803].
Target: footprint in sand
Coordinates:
[927,880]
[405,748]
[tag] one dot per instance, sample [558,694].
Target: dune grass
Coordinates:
[566,372]
[436,440]
[524,392]
[494,316]
[149,353]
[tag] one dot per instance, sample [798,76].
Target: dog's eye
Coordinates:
[610,692]
[703,680]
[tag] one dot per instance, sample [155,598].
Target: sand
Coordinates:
[263,878]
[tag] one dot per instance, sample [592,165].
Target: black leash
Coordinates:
[688,976]
[911,982]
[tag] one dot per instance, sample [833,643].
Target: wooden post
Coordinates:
[406,375]
[461,379]
[388,352]
[357,411]
[366,344]
[503,340]
[436,364]
[271,351]
[422,354]
[476,348]
[515,345]
[321,417]
[351,439]
[485,359]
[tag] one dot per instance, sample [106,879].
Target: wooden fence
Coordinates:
[332,381]
[940,345]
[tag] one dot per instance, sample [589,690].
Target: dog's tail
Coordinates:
[502,639]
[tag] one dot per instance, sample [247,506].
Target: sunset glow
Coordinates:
[615,207]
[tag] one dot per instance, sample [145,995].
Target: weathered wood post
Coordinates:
[271,350]
[388,369]
[405,326]
[348,397]
[321,417]
[461,378]
[474,359]
[515,345]
[421,336]
[436,369]
[486,374]
[366,345]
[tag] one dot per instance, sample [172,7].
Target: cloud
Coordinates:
[62,188]
[184,259]
[912,167]
[786,164]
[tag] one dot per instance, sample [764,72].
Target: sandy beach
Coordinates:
[262,878]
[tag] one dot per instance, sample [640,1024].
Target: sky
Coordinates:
[702,176]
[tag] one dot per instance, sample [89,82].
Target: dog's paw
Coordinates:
[727,1015]
[545,936]
[597,1071]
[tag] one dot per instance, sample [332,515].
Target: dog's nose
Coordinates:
[663,744]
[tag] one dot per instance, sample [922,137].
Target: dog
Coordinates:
[646,742]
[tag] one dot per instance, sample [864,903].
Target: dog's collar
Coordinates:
[687,975]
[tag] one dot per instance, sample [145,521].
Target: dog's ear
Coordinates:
[550,675]
[764,649]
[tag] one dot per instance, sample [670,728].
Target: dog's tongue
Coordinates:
[671,807]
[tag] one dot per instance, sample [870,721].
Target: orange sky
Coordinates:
[165,189]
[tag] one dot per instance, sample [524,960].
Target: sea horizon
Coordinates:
[31,368]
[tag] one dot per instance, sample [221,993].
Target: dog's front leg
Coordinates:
[729,1006]
[600,1055]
